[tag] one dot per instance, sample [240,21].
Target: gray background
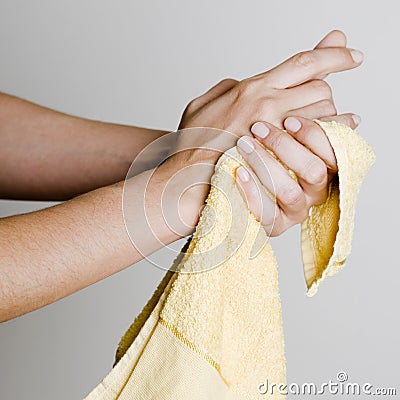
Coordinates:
[139,63]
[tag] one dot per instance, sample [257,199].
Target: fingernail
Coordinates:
[292,124]
[259,129]
[357,56]
[246,144]
[243,175]
[356,119]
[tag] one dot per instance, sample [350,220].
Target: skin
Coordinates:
[49,254]
[305,149]
[293,88]
[48,155]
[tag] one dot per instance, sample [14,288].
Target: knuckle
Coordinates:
[228,81]
[192,106]
[291,194]
[322,87]
[305,59]
[246,87]
[321,198]
[328,107]
[278,230]
[303,214]
[268,81]
[274,141]
[348,120]
[315,172]
[345,119]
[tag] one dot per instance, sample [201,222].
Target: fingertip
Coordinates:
[356,119]
[357,55]
[260,129]
[292,124]
[245,184]
[349,119]
[246,145]
[242,174]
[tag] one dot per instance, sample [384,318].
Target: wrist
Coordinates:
[155,212]
[181,197]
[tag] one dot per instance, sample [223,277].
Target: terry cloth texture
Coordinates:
[213,329]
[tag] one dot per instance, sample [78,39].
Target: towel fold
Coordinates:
[213,329]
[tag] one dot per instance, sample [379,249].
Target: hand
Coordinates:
[294,87]
[305,149]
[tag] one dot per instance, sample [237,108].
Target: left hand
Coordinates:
[305,149]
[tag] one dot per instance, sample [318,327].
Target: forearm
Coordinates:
[48,155]
[49,254]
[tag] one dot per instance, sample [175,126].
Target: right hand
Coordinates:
[294,87]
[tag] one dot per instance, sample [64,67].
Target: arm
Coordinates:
[49,254]
[48,155]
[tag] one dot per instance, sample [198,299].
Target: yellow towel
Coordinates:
[213,330]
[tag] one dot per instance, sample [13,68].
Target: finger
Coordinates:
[261,205]
[274,176]
[311,135]
[335,38]
[310,170]
[323,108]
[305,94]
[265,210]
[349,119]
[311,65]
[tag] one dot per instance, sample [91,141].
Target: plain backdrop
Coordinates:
[139,63]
